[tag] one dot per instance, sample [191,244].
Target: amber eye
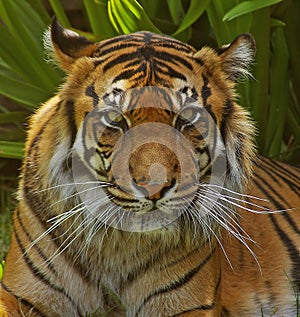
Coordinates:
[114,119]
[187,116]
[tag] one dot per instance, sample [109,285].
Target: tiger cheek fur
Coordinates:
[141,195]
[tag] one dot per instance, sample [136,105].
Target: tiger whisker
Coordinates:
[221,196]
[223,222]
[78,193]
[187,210]
[65,216]
[230,212]
[237,235]
[220,244]
[62,248]
[73,184]
[231,191]
[66,213]
[208,228]
[264,210]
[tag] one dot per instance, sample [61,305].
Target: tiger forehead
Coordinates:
[143,98]
[145,58]
[141,41]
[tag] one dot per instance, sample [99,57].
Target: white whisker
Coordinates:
[73,184]
[232,191]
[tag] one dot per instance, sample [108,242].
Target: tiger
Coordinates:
[142,193]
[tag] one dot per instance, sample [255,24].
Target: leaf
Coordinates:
[13,150]
[1,269]
[247,7]
[21,91]
[99,19]
[176,11]
[129,16]
[195,10]
[13,116]
[60,13]
[17,15]
[277,22]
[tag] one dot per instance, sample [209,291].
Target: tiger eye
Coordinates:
[113,116]
[114,119]
[188,114]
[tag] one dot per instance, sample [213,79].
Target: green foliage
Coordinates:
[28,79]
[1,269]
[129,16]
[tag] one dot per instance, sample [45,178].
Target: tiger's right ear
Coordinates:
[66,46]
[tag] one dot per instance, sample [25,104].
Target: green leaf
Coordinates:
[60,13]
[13,116]
[40,9]
[153,7]
[99,19]
[21,91]
[195,10]
[1,269]
[129,16]
[176,11]
[11,149]
[247,7]
[277,22]
[28,43]
[279,87]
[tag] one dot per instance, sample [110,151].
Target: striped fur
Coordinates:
[230,244]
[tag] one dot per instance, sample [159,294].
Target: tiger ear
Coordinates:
[237,56]
[66,46]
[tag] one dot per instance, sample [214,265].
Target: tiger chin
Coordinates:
[141,193]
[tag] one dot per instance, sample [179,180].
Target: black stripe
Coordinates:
[118,47]
[128,73]
[165,56]
[210,111]
[198,60]
[291,222]
[24,302]
[90,91]
[170,71]
[35,246]
[290,180]
[123,38]
[177,284]
[119,60]
[205,90]
[35,271]
[70,111]
[204,307]
[278,205]
[276,174]
[227,111]
[199,308]
[39,134]
[282,167]
[270,193]
[176,46]
[291,248]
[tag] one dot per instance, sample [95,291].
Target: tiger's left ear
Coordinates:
[66,46]
[237,56]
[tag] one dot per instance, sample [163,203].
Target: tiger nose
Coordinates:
[154,191]
[156,183]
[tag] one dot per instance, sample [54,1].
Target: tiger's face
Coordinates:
[156,130]
[151,146]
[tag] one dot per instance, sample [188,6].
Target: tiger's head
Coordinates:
[153,130]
